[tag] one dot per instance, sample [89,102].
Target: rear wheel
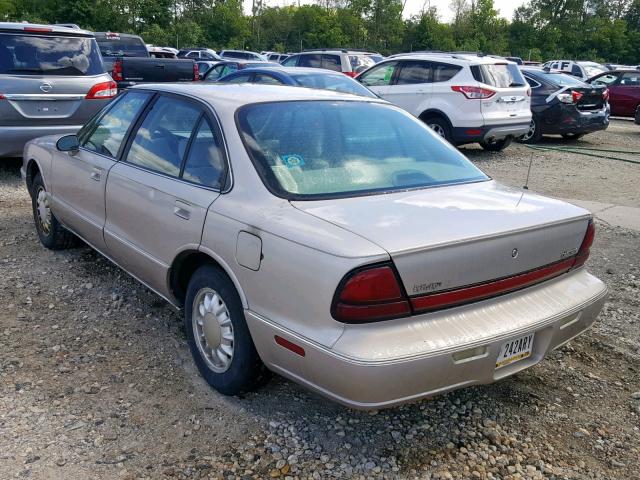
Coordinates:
[637,118]
[440,126]
[572,136]
[496,145]
[534,134]
[50,232]
[218,335]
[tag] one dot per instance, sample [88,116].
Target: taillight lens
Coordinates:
[529,92]
[473,93]
[370,294]
[2,97]
[104,90]
[116,72]
[351,74]
[605,95]
[196,72]
[585,248]
[576,96]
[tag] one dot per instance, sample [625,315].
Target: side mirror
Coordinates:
[68,143]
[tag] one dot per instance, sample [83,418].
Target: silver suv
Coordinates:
[52,80]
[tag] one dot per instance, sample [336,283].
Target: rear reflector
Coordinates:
[2,97]
[102,91]
[473,132]
[283,342]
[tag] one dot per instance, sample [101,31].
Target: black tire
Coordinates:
[572,136]
[245,372]
[496,145]
[50,232]
[440,126]
[534,135]
[637,117]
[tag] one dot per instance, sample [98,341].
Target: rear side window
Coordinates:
[161,141]
[53,55]
[332,62]
[415,72]
[443,72]
[499,75]
[313,60]
[205,164]
[106,133]
[532,83]
[378,76]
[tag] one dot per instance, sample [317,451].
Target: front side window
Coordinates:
[161,141]
[205,164]
[292,61]
[378,76]
[415,72]
[630,79]
[54,55]
[607,79]
[106,135]
[331,149]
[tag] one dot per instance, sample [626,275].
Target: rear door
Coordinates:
[79,179]
[157,196]
[511,103]
[46,78]
[412,87]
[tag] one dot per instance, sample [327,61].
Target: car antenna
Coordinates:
[526,183]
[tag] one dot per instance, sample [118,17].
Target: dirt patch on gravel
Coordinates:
[96,380]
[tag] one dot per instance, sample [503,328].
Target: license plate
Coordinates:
[515,350]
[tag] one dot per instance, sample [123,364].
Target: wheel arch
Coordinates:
[184,266]
[32,169]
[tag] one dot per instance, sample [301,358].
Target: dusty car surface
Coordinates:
[332,238]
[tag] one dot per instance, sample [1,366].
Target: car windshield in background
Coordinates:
[53,55]
[122,47]
[500,75]
[330,149]
[593,70]
[338,83]
[564,80]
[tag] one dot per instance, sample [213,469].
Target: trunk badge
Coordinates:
[514,253]
[46,87]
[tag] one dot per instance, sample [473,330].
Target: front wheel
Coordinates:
[50,232]
[218,335]
[440,126]
[496,145]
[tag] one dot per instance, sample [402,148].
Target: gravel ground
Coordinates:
[96,380]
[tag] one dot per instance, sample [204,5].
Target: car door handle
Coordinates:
[96,174]
[181,209]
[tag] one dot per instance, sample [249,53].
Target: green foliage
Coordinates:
[541,29]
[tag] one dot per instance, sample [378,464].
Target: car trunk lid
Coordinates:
[589,97]
[451,237]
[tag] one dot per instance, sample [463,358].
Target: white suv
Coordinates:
[466,98]
[582,70]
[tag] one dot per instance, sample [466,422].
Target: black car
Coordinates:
[225,67]
[564,105]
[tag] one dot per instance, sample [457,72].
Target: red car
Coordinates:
[624,91]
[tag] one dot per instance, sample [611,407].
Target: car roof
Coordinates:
[231,96]
[45,28]
[465,57]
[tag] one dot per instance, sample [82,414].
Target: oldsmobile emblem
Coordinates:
[514,253]
[46,87]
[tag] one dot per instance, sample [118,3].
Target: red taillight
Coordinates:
[116,72]
[585,249]
[2,97]
[196,72]
[473,93]
[37,29]
[576,96]
[369,295]
[529,92]
[104,90]
[605,95]
[351,74]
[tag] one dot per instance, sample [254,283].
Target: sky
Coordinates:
[504,7]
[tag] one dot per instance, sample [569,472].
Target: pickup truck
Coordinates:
[127,59]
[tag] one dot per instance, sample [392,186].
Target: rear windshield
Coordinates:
[338,83]
[52,55]
[500,75]
[116,46]
[330,149]
[361,61]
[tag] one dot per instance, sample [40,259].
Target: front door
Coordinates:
[79,178]
[157,196]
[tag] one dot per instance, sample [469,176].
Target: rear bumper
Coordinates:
[568,119]
[13,139]
[462,135]
[388,363]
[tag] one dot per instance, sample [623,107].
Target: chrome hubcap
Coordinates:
[213,330]
[438,129]
[44,211]
[531,131]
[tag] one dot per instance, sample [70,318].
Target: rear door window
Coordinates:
[205,163]
[53,55]
[378,76]
[443,72]
[162,139]
[313,60]
[332,62]
[105,134]
[292,61]
[415,72]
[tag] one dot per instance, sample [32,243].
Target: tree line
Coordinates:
[602,30]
